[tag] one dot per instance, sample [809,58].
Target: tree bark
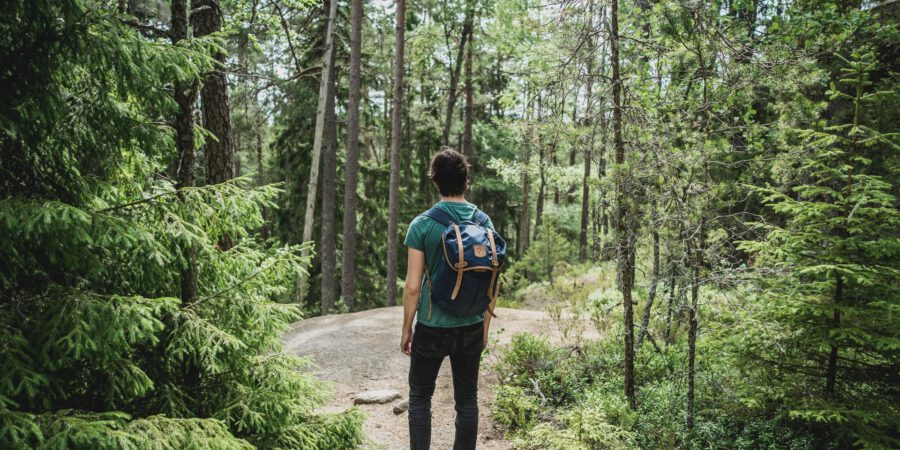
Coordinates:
[348,276]
[672,284]
[185,95]
[525,216]
[588,121]
[329,177]
[319,133]
[455,70]
[539,208]
[216,112]
[214,95]
[572,148]
[539,203]
[396,124]
[467,129]
[625,251]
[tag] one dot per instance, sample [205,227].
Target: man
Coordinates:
[439,334]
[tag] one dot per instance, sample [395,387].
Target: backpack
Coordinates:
[467,282]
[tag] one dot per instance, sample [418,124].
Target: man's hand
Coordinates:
[406,342]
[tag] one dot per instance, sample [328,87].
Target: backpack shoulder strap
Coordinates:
[480,217]
[439,215]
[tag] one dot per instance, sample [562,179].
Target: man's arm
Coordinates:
[412,288]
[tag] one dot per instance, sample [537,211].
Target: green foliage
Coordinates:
[830,278]
[514,408]
[100,348]
[594,413]
[545,258]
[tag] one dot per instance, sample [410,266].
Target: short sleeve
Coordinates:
[415,234]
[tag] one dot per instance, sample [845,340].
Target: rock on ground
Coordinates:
[377,396]
[401,407]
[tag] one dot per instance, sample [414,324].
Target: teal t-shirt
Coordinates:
[424,234]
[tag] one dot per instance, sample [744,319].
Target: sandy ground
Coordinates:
[360,352]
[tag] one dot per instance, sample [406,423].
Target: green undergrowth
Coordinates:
[568,393]
[566,397]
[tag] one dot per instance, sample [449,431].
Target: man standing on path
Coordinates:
[439,334]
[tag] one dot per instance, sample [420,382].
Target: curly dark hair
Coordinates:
[450,172]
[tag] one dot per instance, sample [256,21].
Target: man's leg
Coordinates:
[465,362]
[425,362]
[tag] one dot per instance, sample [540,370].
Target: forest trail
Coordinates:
[360,351]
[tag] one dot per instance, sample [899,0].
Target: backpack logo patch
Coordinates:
[480,251]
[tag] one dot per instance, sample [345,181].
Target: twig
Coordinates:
[537,390]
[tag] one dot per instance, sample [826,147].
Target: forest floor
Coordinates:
[360,351]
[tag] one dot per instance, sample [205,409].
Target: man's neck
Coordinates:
[459,199]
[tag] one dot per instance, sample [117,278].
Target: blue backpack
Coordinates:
[467,282]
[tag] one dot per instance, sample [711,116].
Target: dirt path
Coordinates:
[360,352]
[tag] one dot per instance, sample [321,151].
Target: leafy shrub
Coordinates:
[523,359]
[602,421]
[563,397]
[514,408]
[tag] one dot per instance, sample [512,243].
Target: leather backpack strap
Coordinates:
[494,287]
[460,264]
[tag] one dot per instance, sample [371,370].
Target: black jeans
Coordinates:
[429,348]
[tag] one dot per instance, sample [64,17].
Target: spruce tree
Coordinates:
[825,340]
[98,350]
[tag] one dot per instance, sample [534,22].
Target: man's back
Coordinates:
[425,234]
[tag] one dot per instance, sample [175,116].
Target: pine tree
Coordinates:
[396,121]
[830,298]
[98,350]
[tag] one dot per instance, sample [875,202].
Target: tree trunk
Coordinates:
[831,374]
[261,180]
[216,112]
[185,94]
[572,148]
[348,276]
[654,282]
[525,216]
[214,95]
[407,133]
[588,121]
[319,133]
[672,283]
[396,123]
[329,177]
[467,130]
[455,70]
[539,209]
[625,252]
[601,171]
